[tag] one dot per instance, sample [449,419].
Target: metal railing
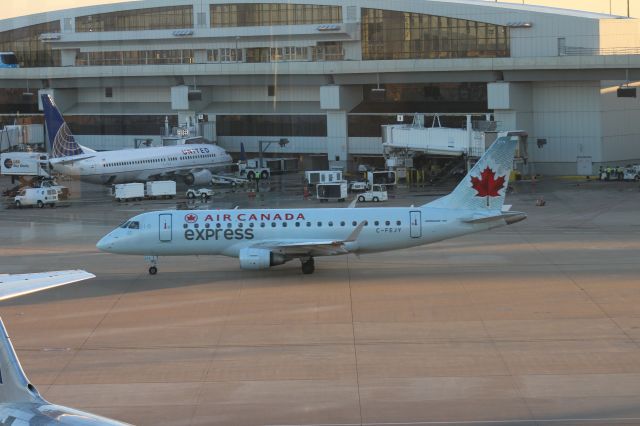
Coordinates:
[595,51]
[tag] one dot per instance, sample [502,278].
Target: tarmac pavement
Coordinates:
[532,324]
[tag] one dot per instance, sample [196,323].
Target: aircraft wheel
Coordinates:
[40,204]
[153,270]
[361,198]
[308,267]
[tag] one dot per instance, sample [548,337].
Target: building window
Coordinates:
[150,57]
[272,125]
[328,51]
[158,18]
[230,55]
[30,51]
[271,90]
[388,34]
[142,125]
[108,92]
[272,14]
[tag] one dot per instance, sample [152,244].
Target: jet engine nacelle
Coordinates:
[254,258]
[203,177]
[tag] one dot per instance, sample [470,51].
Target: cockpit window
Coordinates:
[134,224]
[125,225]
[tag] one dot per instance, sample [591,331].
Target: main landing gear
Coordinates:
[153,269]
[308,265]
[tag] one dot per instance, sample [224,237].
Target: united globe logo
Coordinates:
[8,163]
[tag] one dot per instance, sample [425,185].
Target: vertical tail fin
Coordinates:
[14,385]
[243,155]
[61,140]
[485,186]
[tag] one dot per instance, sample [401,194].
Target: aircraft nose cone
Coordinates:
[105,243]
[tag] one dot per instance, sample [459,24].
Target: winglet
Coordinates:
[14,385]
[356,233]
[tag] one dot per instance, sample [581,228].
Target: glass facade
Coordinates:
[139,125]
[270,14]
[142,57]
[389,34]
[158,18]
[272,125]
[30,51]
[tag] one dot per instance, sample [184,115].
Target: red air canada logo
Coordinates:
[191,218]
[487,185]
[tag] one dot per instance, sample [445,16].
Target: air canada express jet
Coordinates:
[265,238]
[191,162]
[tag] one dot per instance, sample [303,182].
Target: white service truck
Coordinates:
[251,169]
[377,193]
[38,197]
[202,193]
[160,189]
[128,191]
[24,164]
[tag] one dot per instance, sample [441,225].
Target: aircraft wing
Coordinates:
[312,247]
[66,160]
[21,284]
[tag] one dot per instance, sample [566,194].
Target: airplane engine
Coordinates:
[254,259]
[203,177]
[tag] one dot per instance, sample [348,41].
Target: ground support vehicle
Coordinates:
[128,191]
[358,186]
[202,193]
[253,170]
[386,177]
[228,180]
[632,172]
[160,189]
[316,177]
[336,191]
[38,197]
[377,193]
[63,191]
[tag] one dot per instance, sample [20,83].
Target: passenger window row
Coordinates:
[297,224]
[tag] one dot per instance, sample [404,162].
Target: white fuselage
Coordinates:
[226,232]
[140,165]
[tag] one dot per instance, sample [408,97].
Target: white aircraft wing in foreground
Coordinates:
[20,401]
[21,284]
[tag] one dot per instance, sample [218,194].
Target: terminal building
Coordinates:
[327,74]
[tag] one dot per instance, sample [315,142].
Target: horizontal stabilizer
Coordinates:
[509,217]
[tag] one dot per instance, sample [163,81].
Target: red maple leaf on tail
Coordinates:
[487,185]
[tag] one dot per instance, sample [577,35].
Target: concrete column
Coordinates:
[337,140]
[512,104]
[338,101]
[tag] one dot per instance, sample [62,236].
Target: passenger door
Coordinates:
[415,224]
[165,227]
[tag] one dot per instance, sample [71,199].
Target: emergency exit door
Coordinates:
[165,227]
[415,224]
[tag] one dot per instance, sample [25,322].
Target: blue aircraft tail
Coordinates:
[61,140]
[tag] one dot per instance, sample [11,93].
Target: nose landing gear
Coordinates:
[308,266]
[153,260]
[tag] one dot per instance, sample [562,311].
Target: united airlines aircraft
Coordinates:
[193,163]
[261,239]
